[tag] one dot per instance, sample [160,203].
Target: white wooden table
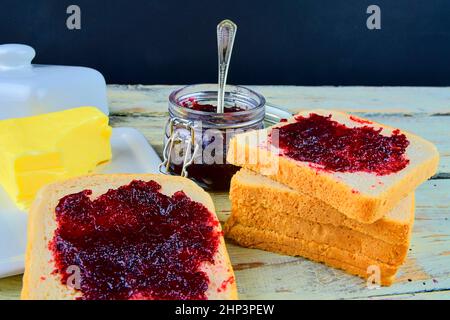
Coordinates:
[263,275]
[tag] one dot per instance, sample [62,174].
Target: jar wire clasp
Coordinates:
[173,137]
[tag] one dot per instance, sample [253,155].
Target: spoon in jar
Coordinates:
[226,31]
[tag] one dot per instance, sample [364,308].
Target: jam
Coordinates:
[212,176]
[193,104]
[335,147]
[359,120]
[225,284]
[134,242]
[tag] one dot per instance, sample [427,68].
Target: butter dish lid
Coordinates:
[28,89]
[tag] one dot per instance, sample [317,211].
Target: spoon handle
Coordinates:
[226,31]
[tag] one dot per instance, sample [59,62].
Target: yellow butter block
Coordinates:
[45,148]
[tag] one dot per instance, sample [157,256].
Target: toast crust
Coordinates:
[344,238]
[260,196]
[38,280]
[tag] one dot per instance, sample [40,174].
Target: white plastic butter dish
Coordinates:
[28,89]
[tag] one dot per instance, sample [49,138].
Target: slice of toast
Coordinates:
[332,256]
[40,281]
[362,196]
[251,190]
[270,216]
[341,237]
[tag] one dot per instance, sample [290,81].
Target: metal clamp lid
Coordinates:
[173,136]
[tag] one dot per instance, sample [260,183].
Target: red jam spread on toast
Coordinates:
[135,242]
[195,105]
[335,147]
[359,120]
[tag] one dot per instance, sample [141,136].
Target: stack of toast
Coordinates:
[351,217]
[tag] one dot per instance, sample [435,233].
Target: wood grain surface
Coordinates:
[263,275]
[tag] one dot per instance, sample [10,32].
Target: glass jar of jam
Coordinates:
[196,136]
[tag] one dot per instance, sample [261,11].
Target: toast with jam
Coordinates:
[120,236]
[359,167]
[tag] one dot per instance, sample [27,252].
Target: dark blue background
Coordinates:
[302,42]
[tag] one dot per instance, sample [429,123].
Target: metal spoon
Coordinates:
[226,31]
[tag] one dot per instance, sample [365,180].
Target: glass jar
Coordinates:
[196,137]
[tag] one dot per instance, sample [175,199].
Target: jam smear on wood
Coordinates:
[134,242]
[335,147]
